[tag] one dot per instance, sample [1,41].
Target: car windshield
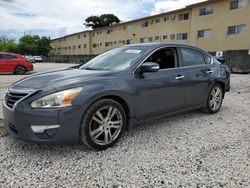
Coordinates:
[116,59]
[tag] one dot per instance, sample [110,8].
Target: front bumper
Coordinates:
[64,124]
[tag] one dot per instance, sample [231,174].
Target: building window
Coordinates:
[129,41]
[165,19]
[164,37]
[78,36]
[157,38]
[206,11]
[69,47]
[236,4]
[108,31]
[130,27]
[85,45]
[236,30]
[84,35]
[144,24]
[79,46]
[205,33]
[182,36]
[108,44]
[144,40]
[157,20]
[183,16]
[95,45]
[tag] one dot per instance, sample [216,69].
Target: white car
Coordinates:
[30,58]
[38,58]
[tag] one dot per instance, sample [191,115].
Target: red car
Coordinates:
[14,63]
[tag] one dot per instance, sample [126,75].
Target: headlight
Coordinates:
[55,100]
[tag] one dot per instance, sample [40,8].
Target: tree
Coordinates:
[8,47]
[34,45]
[44,46]
[28,45]
[101,21]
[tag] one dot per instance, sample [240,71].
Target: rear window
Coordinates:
[191,57]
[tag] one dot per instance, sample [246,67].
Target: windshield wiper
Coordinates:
[88,68]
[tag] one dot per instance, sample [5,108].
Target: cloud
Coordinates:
[168,5]
[8,1]
[60,17]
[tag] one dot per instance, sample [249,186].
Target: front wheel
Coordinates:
[215,99]
[103,124]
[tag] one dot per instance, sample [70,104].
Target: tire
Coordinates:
[215,99]
[20,70]
[103,124]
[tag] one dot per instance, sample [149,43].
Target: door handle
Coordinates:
[209,71]
[179,77]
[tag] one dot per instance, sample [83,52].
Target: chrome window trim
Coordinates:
[177,54]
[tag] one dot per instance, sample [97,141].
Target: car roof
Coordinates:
[161,44]
[8,53]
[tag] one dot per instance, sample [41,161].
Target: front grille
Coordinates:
[12,98]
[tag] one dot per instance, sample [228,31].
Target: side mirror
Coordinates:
[150,67]
[220,59]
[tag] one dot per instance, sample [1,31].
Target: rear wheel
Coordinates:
[103,124]
[20,69]
[215,99]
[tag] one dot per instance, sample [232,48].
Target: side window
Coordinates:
[166,58]
[6,56]
[191,57]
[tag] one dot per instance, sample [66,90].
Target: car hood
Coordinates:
[61,77]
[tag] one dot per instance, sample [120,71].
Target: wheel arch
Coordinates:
[122,102]
[117,98]
[19,65]
[223,85]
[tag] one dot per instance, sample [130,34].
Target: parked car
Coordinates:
[96,102]
[14,63]
[38,58]
[30,58]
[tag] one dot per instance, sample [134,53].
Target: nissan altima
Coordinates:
[96,102]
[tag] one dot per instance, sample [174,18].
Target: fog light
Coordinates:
[42,128]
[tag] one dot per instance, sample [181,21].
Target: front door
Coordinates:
[162,91]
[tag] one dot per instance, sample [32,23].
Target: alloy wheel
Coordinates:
[20,70]
[105,125]
[215,98]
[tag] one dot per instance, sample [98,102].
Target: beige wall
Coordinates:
[218,22]
[75,44]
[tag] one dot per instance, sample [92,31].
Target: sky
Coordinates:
[56,18]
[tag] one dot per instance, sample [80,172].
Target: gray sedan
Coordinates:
[96,102]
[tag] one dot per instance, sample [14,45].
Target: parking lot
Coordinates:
[185,150]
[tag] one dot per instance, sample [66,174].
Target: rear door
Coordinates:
[7,62]
[198,74]
[160,92]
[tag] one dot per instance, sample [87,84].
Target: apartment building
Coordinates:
[214,25]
